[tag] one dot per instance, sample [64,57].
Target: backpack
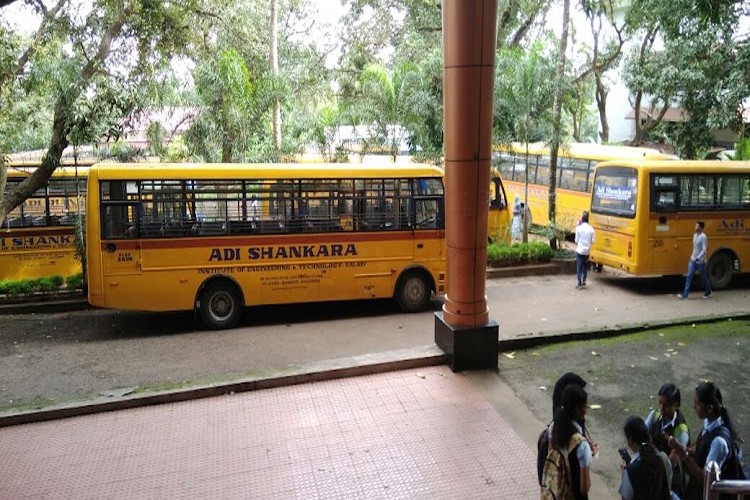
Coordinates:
[542,449]
[556,481]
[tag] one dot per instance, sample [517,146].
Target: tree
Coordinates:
[94,65]
[232,104]
[523,99]
[274,56]
[605,55]
[702,69]
[557,116]
[386,101]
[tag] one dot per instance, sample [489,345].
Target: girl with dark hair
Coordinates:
[715,442]
[567,434]
[665,422]
[649,473]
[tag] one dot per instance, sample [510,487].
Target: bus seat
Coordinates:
[68,220]
[213,228]
[242,227]
[14,222]
[40,220]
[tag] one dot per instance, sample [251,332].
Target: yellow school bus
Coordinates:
[644,214]
[217,237]
[37,238]
[575,169]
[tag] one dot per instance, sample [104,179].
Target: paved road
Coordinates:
[68,356]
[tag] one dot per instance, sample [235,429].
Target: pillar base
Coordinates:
[468,348]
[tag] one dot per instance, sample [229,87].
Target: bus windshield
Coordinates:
[615,192]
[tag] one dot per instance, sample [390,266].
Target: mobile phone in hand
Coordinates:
[625,455]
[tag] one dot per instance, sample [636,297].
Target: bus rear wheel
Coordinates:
[413,292]
[720,269]
[220,305]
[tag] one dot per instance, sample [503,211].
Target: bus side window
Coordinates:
[666,201]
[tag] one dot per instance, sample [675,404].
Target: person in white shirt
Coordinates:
[584,239]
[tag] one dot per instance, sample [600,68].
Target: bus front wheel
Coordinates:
[719,270]
[413,292]
[220,305]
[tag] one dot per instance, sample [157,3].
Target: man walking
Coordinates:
[698,262]
[584,238]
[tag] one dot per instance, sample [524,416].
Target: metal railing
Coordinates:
[713,486]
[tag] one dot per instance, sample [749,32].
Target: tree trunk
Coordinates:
[524,219]
[3,181]
[557,118]
[601,104]
[275,72]
[638,138]
[50,162]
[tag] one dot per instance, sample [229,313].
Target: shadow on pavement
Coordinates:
[659,285]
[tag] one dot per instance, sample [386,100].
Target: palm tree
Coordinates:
[523,98]
[557,117]
[387,102]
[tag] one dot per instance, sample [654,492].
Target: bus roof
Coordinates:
[589,151]
[157,171]
[687,166]
[22,173]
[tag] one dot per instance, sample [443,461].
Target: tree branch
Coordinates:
[39,36]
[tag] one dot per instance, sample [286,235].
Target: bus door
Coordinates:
[429,224]
[121,246]
[663,244]
[498,217]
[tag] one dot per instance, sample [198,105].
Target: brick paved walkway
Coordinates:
[423,433]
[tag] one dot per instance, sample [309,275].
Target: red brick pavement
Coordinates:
[413,434]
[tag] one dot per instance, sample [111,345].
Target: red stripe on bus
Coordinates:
[21,232]
[155,244]
[696,216]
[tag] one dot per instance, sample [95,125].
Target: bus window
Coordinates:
[615,192]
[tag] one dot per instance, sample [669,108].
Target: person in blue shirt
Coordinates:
[715,442]
[649,473]
[665,421]
[698,262]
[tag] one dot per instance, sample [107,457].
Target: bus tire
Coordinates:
[413,292]
[720,270]
[220,304]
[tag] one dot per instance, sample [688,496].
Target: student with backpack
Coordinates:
[566,473]
[665,422]
[649,473]
[542,444]
[717,441]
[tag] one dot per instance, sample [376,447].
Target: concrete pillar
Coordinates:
[463,329]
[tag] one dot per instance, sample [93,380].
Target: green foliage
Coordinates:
[45,285]
[155,134]
[702,68]
[524,93]
[79,240]
[742,150]
[74,282]
[501,255]
[15,288]
[123,152]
